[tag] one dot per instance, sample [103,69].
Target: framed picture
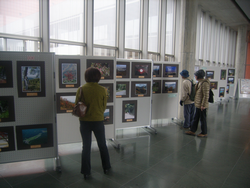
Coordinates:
[223,74]
[69,73]
[6,77]
[106,67]
[7,142]
[122,89]
[156,86]
[30,79]
[230,80]
[141,70]
[210,74]
[231,72]
[169,86]
[65,102]
[34,136]
[129,111]
[227,90]
[222,92]
[213,85]
[170,70]
[157,70]
[7,110]
[109,91]
[108,115]
[122,69]
[140,89]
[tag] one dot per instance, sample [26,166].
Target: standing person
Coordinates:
[185,99]
[95,99]
[201,104]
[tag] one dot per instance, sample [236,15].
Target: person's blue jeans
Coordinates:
[188,114]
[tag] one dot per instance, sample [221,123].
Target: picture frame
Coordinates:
[231,72]
[157,70]
[230,80]
[228,88]
[7,139]
[109,89]
[65,102]
[6,75]
[156,88]
[122,89]
[31,78]
[129,111]
[69,73]
[7,109]
[210,74]
[108,115]
[169,86]
[214,85]
[140,89]
[34,136]
[170,70]
[222,92]
[141,70]
[122,69]
[223,74]
[105,66]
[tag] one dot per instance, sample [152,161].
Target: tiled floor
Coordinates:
[167,159]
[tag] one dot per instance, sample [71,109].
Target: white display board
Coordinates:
[244,88]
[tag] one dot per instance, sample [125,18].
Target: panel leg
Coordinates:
[151,129]
[58,164]
[115,143]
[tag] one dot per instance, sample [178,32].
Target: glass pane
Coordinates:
[169,27]
[131,55]
[153,25]
[105,22]
[32,46]
[2,44]
[19,17]
[104,52]
[68,24]
[132,24]
[15,45]
[154,57]
[64,49]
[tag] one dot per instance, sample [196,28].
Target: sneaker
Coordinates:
[190,133]
[202,135]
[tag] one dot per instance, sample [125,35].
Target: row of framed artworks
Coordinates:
[230,79]
[222,90]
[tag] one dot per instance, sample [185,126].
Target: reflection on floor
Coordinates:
[167,159]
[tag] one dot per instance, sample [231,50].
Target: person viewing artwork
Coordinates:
[95,97]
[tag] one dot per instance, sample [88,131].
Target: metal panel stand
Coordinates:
[150,129]
[115,143]
[177,121]
[58,164]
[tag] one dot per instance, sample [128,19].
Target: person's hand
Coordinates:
[202,108]
[181,102]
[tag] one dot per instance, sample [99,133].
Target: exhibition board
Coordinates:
[243,88]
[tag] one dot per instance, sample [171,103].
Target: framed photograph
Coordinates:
[170,70]
[31,79]
[157,70]
[69,73]
[222,92]
[129,111]
[108,115]
[122,89]
[156,86]
[210,74]
[109,91]
[34,136]
[106,67]
[7,142]
[141,70]
[230,80]
[6,76]
[213,85]
[223,74]
[227,90]
[122,69]
[65,102]
[231,72]
[169,86]
[140,89]
[7,110]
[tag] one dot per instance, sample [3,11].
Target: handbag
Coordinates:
[80,108]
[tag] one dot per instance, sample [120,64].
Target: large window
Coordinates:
[170,22]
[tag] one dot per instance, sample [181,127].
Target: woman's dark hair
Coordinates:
[200,74]
[92,75]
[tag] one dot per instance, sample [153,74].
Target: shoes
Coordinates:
[106,171]
[86,176]
[190,133]
[202,135]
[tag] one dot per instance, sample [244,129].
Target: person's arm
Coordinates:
[77,95]
[105,100]
[205,91]
[185,92]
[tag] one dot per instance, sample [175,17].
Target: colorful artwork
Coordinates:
[157,70]
[104,68]
[222,92]
[141,70]
[31,78]
[4,109]
[156,86]
[170,86]
[121,70]
[121,89]
[227,89]
[231,72]
[36,136]
[3,77]
[170,71]
[109,91]
[230,80]
[67,102]
[140,89]
[129,111]
[7,142]
[69,73]
[210,74]
[4,139]
[223,74]
[213,85]
[106,115]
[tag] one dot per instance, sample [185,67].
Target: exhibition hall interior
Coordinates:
[140,48]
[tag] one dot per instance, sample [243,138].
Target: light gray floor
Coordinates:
[167,159]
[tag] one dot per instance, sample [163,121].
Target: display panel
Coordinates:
[169,86]
[6,76]
[109,91]
[230,80]
[213,85]
[223,74]
[156,86]
[65,102]
[141,70]
[222,92]
[31,79]
[244,86]
[122,89]
[231,72]
[210,74]
[227,89]
[170,70]
[69,73]
[157,70]
[7,110]
[108,115]
[140,89]
[34,136]
[129,111]
[7,142]
[122,69]
[106,67]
